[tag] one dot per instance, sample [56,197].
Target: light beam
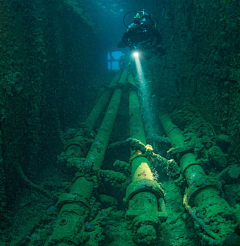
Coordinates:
[136,54]
[145,96]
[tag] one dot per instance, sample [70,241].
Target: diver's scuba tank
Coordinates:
[141,15]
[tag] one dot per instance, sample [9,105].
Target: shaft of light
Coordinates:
[145,97]
[139,69]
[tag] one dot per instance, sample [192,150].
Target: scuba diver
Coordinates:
[141,34]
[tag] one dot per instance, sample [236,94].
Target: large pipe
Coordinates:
[76,147]
[211,213]
[101,104]
[74,205]
[144,195]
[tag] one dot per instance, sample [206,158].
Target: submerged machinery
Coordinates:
[166,202]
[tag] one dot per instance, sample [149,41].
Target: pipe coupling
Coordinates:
[143,185]
[68,198]
[79,142]
[177,152]
[197,186]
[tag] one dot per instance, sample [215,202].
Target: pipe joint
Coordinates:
[146,155]
[145,216]
[186,165]
[68,198]
[70,223]
[75,147]
[197,186]
[143,185]
[177,152]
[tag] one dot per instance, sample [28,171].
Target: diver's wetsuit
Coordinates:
[142,32]
[136,34]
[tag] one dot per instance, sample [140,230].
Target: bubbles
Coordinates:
[155,174]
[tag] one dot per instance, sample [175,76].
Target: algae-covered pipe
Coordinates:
[99,146]
[101,104]
[144,192]
[203,200]
[136,128]
[76,147]
[74,205]
[177,140]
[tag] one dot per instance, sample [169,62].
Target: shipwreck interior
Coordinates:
[101,146]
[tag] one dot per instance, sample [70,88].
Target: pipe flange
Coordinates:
[145,155]
[81,133]
[141,186]
[197,186]
[78,175]
[184,168]
[180,151]
[66,198]
[86,173]
[80,142]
